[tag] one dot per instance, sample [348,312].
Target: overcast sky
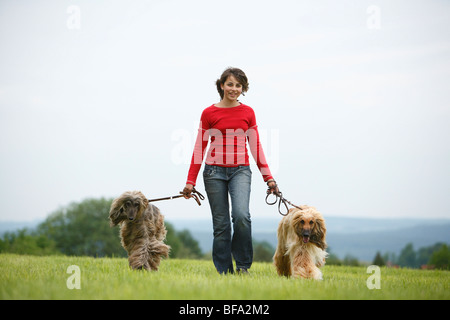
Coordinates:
[352,101]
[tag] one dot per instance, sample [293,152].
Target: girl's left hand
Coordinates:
[273,187]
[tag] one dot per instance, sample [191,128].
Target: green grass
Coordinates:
[32,277]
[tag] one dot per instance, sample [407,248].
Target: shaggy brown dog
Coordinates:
[142,230]
[301,244]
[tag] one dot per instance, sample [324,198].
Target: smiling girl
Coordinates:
[228,125]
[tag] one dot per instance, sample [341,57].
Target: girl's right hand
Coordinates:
[187,191]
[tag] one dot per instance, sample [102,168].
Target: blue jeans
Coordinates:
[235,181]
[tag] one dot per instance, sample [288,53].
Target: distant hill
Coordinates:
[358,237]
[6,226]
[365,245]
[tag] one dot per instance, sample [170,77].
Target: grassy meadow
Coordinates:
[34,277]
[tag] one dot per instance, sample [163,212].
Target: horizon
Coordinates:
[274,217]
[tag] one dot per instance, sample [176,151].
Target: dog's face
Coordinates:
[305,226]
[129,206]
[310,226]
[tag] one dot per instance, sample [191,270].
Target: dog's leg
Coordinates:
[303,266]
[298,265]
[307,272]
[320,258]
[277,262]
[282,264]
[281,257]
[137,259]
[138,253]
[156,250]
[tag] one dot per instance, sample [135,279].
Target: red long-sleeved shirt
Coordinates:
[228,130]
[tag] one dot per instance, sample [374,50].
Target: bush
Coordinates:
[25,242]
[262,251]
[441,259]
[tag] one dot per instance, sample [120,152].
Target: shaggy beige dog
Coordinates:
[142,230]
[301,244]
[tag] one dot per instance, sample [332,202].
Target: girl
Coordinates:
[228,125]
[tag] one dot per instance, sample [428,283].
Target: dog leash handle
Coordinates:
[278,198]
[194,194]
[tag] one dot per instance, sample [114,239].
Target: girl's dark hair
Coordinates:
[238,74]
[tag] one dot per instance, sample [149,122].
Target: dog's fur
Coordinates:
[301,244]
[142,230]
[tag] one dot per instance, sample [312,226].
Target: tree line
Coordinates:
[82,229]
[435,256]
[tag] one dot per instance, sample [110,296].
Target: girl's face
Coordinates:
[232,89]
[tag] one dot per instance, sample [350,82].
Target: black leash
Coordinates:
[195,194]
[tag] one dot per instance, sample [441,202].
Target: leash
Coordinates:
[195,194]
[280,199]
